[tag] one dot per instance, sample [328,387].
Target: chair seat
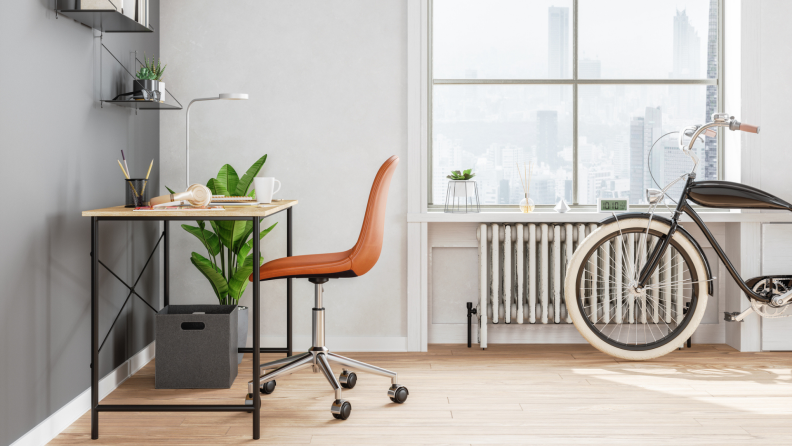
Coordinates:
[335,264]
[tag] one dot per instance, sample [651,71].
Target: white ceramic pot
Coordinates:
[463,188]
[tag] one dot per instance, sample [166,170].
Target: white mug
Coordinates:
[264,189]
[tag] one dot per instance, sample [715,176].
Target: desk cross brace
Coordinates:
[131,289]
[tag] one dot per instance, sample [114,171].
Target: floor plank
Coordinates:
[508,394]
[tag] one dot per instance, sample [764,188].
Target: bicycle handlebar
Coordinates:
[748,128]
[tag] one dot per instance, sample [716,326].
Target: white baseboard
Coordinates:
[340,343]
[74,409]
[543,334]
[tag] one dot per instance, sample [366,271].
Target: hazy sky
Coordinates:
[509,38]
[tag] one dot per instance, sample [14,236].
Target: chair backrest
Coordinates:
[366,252]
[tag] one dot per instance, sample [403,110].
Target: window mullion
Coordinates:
[574,102]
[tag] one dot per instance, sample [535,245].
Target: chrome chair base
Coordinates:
[319,358]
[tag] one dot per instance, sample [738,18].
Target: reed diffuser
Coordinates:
[526,204]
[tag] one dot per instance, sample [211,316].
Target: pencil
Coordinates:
[122,170]
[127,177]
[125,163]
[145,183]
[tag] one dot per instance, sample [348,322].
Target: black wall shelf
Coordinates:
[145,105]
[105,20]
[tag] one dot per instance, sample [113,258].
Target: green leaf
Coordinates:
[239,281]
[211,185]
[244,250]
[467,171]
[456,173]
[244,184]
[227,178]
[170,190]
[208,238]
[229,231]
[212,274]
[217,187]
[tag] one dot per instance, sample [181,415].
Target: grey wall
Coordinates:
[327,85]
[59,151]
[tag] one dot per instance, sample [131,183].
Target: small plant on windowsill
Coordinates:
[462,195]
[461,176]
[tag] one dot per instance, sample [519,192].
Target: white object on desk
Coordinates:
[264,189]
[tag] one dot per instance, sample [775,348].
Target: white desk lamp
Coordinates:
[229,96]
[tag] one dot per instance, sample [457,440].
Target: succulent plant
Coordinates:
[149,70]
[464,175]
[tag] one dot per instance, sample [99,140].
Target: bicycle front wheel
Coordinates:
[615,315]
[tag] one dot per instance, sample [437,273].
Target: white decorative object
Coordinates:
[561,207]
[462,197]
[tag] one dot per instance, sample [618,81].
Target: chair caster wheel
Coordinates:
[249,400]
[341,409]
[398,393]
[348,380]
[268,387]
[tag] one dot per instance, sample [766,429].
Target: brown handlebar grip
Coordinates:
[749,128]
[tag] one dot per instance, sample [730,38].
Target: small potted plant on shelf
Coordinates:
[462,192]
[149,85]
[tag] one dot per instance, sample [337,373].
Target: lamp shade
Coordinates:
[233,96]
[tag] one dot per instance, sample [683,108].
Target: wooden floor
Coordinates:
[508,394]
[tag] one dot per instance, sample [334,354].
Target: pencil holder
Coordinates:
[136,193]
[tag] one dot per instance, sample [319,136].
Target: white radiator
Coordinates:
[523,268]
[522,272]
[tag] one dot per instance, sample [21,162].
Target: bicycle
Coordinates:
[637,287]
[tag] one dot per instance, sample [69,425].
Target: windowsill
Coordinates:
[588,216]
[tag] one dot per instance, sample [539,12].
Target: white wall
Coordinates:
[765,64]
[328,105]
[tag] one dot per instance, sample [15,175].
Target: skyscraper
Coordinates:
[711,144]
[636,159]
[558,58]
[643,132]
[653,129]
[547,137]
[686,48]
[589,69]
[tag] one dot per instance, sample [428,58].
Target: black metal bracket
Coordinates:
[131,289]
[470,312]
[125,69]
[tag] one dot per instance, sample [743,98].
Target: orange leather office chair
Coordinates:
[318,269]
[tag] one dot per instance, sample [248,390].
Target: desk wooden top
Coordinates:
[262,210]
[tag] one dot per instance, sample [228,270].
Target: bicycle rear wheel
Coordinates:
[616,316]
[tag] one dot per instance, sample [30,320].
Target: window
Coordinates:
[579,88]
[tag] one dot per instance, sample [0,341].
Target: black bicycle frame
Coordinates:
[660,248]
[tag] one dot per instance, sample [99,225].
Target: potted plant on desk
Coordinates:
[229,261]
[228,244]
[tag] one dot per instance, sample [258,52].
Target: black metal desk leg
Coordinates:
[256,329]
[289,284]
[94,330]
[166,268]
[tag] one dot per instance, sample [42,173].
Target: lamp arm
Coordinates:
[187,149]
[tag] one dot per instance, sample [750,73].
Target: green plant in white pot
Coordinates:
[229,261]
[149,78]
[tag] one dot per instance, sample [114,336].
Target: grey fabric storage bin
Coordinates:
[196,351]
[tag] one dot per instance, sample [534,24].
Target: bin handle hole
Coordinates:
[193,325]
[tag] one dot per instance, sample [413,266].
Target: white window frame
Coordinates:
[574,82]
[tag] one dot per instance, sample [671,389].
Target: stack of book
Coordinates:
[137,10]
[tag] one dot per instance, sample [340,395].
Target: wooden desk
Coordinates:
[120,213]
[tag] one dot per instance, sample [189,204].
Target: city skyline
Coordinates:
[494,129]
